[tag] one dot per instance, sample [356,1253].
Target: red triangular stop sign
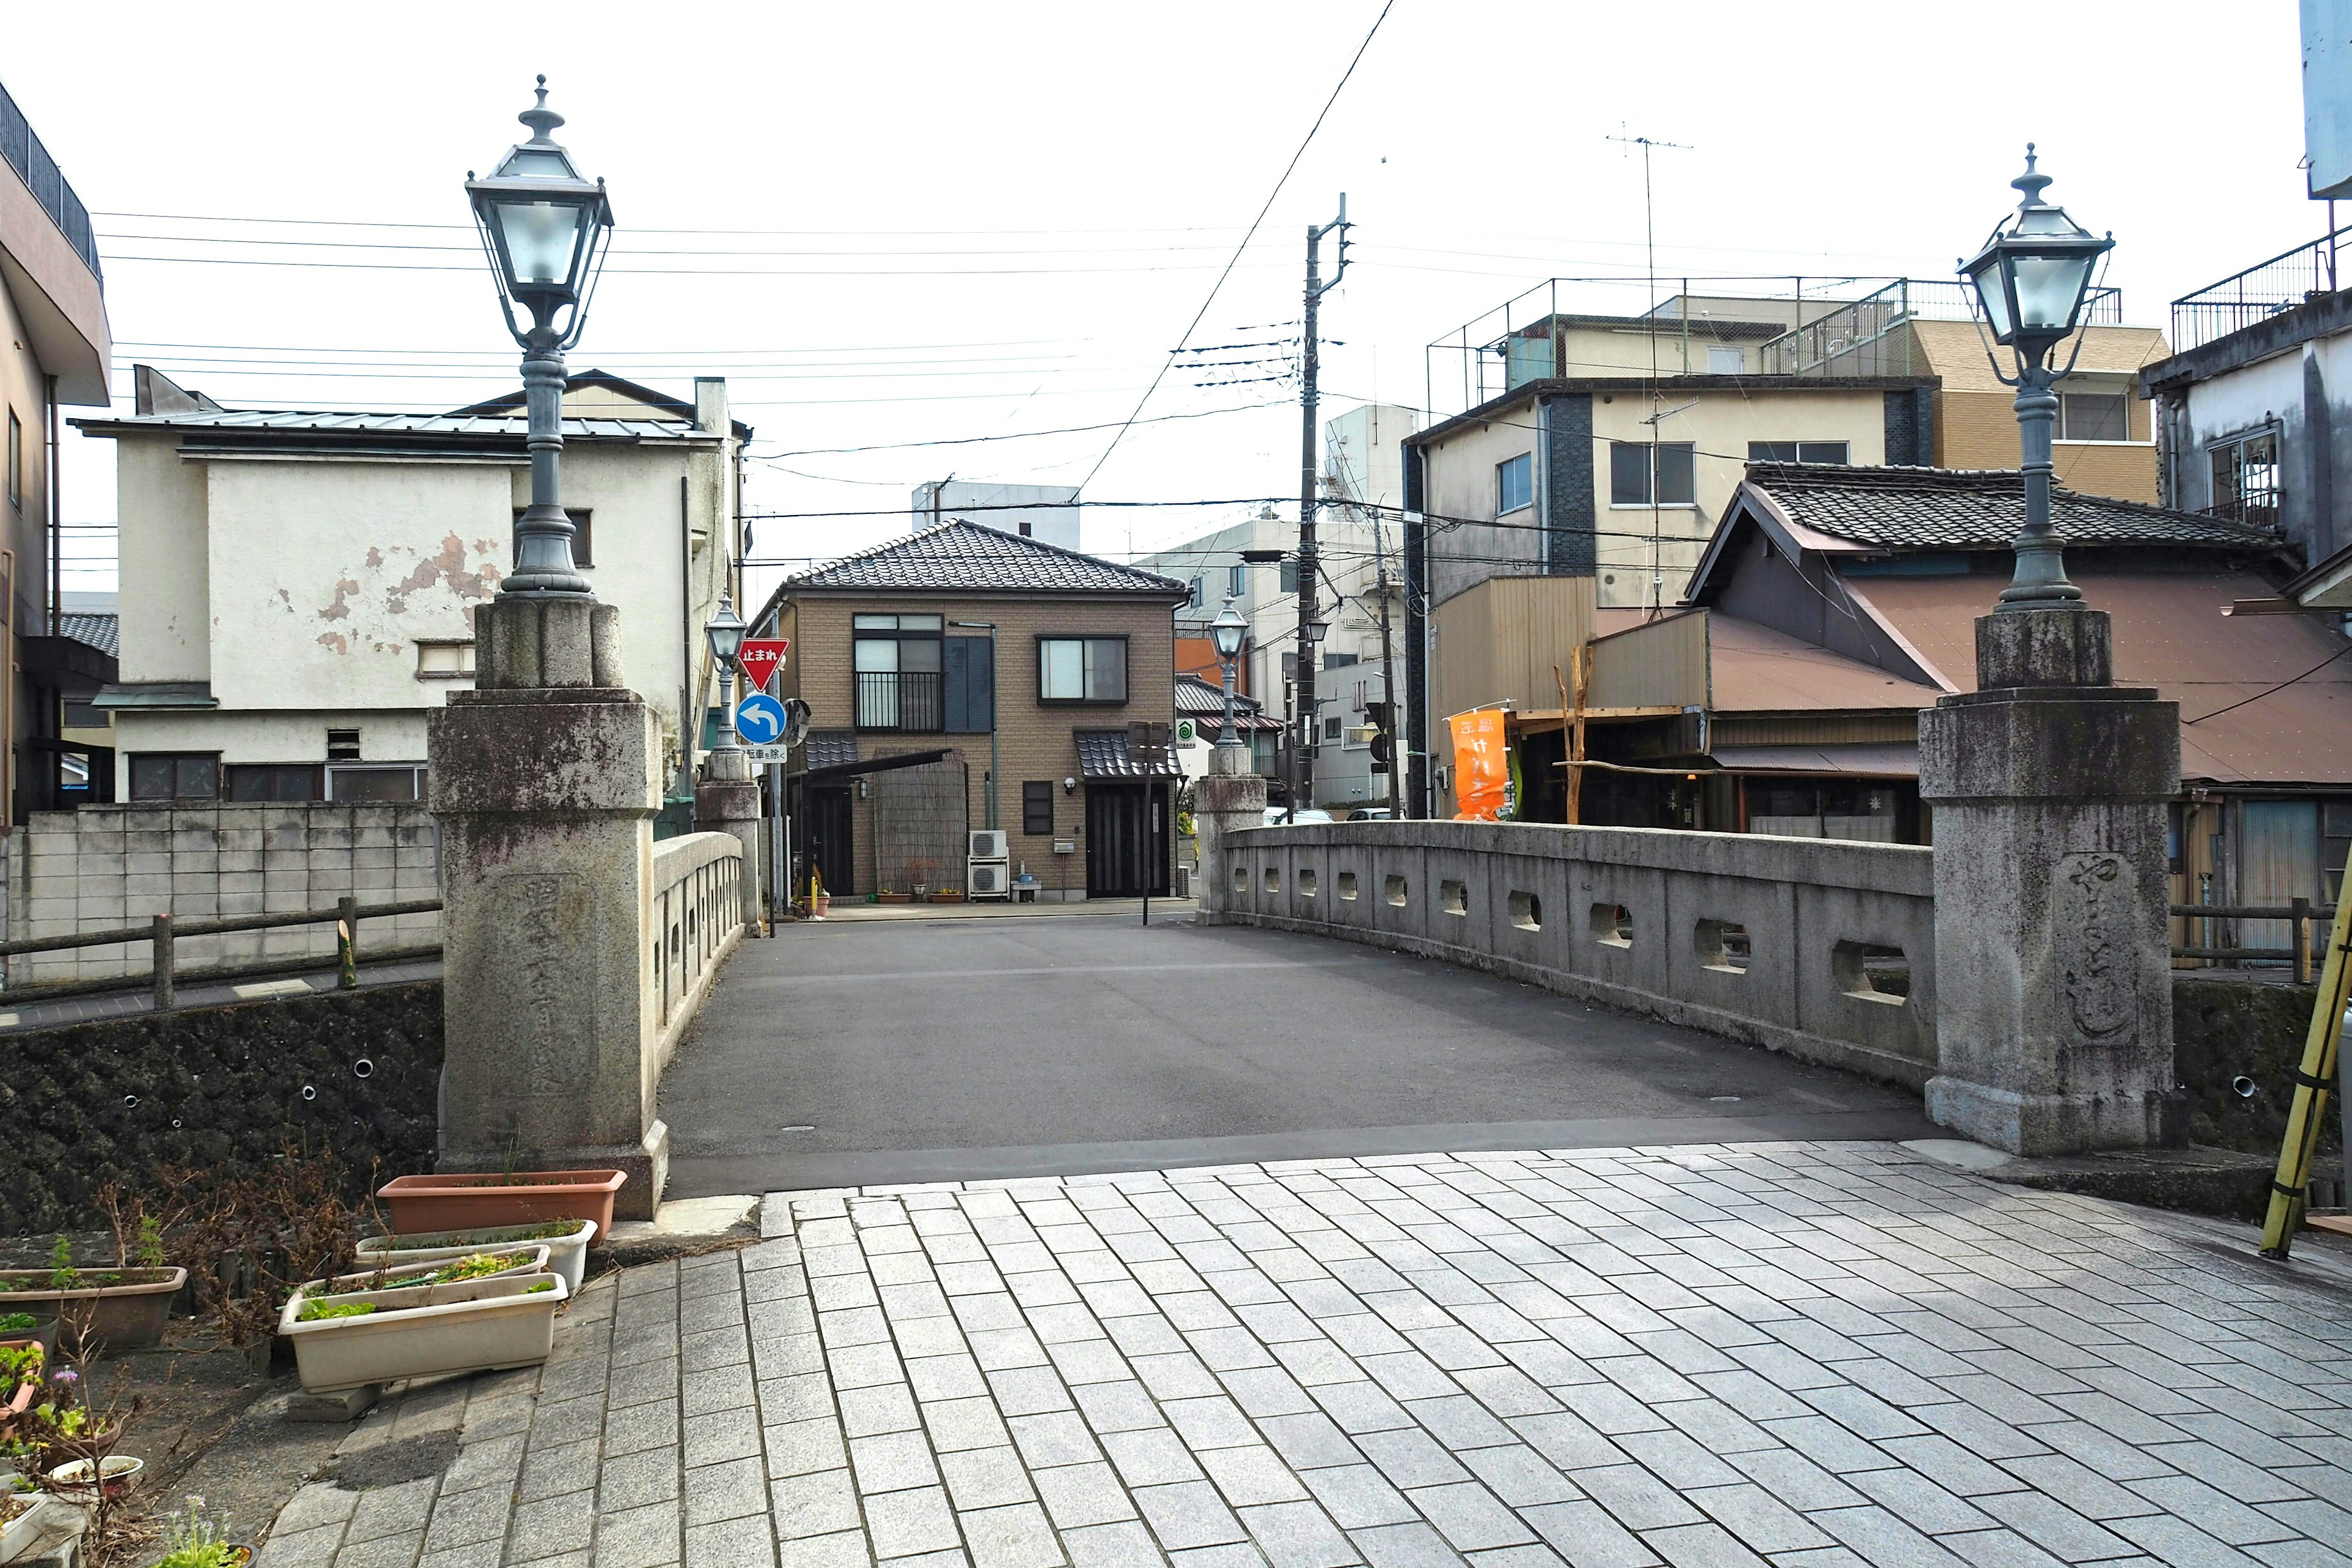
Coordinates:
[760,658]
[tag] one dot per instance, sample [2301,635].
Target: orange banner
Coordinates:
[1482,767]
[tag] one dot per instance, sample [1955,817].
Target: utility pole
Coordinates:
[1302,751]
[1388,668]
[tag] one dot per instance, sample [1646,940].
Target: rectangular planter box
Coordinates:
[396,1274]
[428,1330]
[566,1255]
[22,1533]
[448,1201]
[121,1317]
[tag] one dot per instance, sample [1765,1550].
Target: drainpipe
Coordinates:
[686,715]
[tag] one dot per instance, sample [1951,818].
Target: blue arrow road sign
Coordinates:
[759,719]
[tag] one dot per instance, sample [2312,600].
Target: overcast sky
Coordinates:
[891,225]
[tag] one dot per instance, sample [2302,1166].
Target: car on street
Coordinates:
[1277,816]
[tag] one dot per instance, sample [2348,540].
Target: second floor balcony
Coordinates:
[904,702]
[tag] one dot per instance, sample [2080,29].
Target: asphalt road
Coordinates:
[852,1053]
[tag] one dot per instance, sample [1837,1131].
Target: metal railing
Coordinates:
[901,701]
[46,181]
[1860,339]
[2299,913]
[2261,291]
[164,932]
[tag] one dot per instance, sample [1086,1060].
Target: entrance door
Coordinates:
[829,840]
[2279,862]
[1116,851]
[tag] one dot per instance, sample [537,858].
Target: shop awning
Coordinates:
[1898,759]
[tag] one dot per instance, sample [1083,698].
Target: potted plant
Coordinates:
[566,1241]
[947,896]
[19,1329]
[887,896]
[27,1514]
[124,1307]
[192,1541]
[416,1330]
[21,1374]
[451,1201]
[487,1264]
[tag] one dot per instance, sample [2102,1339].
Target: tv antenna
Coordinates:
[1650,254]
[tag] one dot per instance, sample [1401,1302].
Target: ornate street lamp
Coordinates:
[1227,632]
[2030,280]
[542,226]
[724,631]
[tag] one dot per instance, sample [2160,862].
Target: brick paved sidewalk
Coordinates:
[1806,1354]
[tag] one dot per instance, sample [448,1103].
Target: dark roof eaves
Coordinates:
[2273,335]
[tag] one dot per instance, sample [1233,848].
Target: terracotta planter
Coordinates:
[452,1202]
[129,1316]
[947,896]
[894,898]
[823,904]
[43,1333]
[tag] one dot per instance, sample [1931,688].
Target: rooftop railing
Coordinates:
[2261,291]
[41,176]
[1860,339]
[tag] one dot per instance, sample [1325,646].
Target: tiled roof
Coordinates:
[829,749]
[103,632]
[1972,509]
[281,421]
[960,555]
[1103,755]
[1194,695]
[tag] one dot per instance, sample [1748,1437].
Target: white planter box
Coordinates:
[45,1520]
[566,1255]
[426,1330]
[393,1272]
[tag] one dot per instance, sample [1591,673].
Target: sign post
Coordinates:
[1148,748]
[760,658]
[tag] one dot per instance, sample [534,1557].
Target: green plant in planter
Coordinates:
[313,1310]
[63,1275]
[17,1323]
[542,1284]
[194,1541]
[148,1252]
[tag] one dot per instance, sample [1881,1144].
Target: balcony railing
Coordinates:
[41,176]
[905,701]
[2261,291]
[1860,339]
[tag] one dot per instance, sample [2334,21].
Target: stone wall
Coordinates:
[357,1072]
[109,867]
[1821,948]
[2225,1027]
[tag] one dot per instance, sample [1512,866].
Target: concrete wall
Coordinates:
[1541,904]
[105,867]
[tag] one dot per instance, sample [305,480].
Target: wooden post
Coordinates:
[162,964]
[347,942]
[1583,662]
[2301,941]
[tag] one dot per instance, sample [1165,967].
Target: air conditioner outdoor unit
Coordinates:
[987,880]
[988,843]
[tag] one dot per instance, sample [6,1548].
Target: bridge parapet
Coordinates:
[1822,947]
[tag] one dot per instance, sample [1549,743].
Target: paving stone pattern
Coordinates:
[1821,1355]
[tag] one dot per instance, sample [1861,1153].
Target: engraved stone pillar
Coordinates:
[727,800]
[1226,800]
[2053,979]
[545,783]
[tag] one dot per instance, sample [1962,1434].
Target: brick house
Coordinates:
[921,658]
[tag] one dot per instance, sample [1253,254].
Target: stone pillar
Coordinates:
[545,781]
[2053,978]
[1228,798]
[727,800]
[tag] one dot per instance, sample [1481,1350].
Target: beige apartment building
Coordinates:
[963,681]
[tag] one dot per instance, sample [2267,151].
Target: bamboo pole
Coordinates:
[2290,1186]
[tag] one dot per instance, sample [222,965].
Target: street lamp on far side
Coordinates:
[1225,633]
[542,226]
[2032,278]
[724,631]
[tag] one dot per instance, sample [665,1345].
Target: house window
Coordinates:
[2092,416]
[1289,576]
[1233,580]
[1641,472]
[165,775]
[16,460]
[1037,808]
[2246,480]
[1194,600]
[82,715]
[1723,362]
[896,661]
[582,549]
[445,661]
[1515,484]
[1081,669]
[1334,729]
[1797,452]
[343,745]
[379,783]
[273,781]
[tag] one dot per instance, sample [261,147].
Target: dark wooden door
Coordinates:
[1127,839]
[829,841]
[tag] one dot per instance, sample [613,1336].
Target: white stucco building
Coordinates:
[1049,513]
[297,587]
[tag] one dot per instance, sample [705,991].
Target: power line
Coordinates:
[2282,686]
[1017,435]
[1251,234]
[113,256]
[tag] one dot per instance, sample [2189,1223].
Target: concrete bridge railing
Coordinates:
[696,918]
[1820,948]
